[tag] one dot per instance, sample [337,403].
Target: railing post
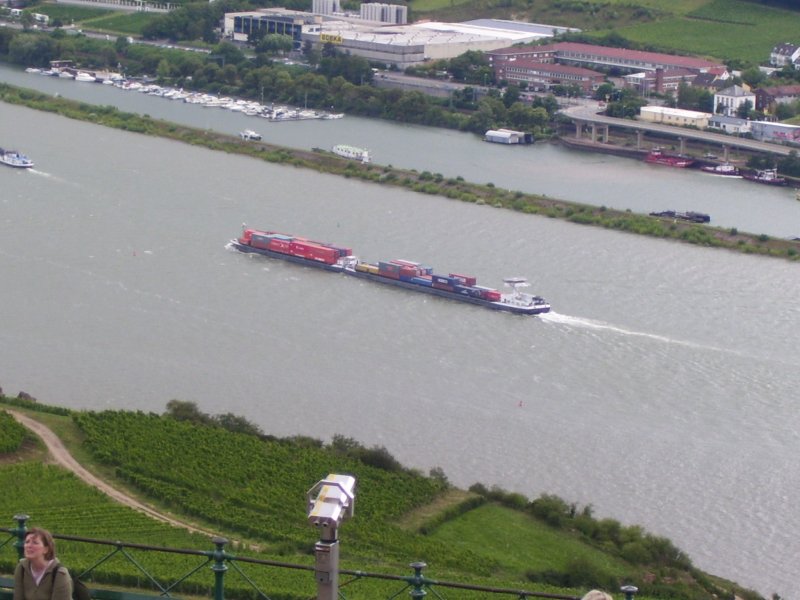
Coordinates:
[219,567]
[419,580]
[629,591]
[20,531]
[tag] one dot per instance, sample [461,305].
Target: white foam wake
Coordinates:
[582,323]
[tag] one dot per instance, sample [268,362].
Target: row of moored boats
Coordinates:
[766,176]
[248,107]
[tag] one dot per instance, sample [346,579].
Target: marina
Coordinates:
[251,108]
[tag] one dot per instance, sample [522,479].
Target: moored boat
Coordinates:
[249,134]
[694,217]
[12,158]
[766,176]
[726,169]
[352,152]
[657,156]
[399,273]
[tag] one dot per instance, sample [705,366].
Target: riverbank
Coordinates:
[424,182]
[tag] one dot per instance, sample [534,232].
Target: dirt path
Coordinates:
[61,456]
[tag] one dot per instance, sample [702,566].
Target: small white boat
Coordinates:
[352,152]
[725,169]
[85,77]
[12,158]
[249,134]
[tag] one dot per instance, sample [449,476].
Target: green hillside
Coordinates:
[732,30]
[253,488]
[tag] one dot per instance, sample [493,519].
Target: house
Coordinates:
[728,101]
[710,81]
[784,54]
[731,125]
[768,98]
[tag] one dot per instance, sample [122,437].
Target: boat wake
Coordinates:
[581,323]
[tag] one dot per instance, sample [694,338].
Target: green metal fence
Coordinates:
[203,573]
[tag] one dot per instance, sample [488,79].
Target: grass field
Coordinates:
[127,23]
[518,542]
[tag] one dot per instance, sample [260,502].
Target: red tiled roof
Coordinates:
[672,60]
[638,55]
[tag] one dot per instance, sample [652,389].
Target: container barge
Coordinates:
[399,273]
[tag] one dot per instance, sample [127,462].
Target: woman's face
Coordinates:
[35,548]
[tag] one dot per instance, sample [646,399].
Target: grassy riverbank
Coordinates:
[250,487]
[423,182]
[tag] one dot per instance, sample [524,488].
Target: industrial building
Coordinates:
[394,45]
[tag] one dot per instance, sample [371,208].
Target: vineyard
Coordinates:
[257,488]
[12,434]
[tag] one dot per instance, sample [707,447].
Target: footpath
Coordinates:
[61,456]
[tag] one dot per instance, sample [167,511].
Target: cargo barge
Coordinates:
[399,273]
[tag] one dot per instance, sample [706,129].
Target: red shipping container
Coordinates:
[281,246]
[442,286]
[492,295]
[389,274]
[467,279]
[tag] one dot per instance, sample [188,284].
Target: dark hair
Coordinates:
[46,538]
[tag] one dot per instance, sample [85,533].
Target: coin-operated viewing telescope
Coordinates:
[330,501]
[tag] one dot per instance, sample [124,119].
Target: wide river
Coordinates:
[662,389]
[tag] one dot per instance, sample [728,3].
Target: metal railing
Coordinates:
[219,562]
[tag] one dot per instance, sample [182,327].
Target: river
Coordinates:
[661,389]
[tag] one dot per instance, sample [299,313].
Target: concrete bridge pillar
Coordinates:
[578,129]
[605,133]
[725,150]
[639,139]
[682,145]
[594,132]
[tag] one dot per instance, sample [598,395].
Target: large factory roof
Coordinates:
[426,33]
[537,29]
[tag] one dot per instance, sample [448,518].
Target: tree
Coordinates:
[183,410]
[604,91]
[744,109]
[26,18]
[511,95]
[275,44]
[753,76]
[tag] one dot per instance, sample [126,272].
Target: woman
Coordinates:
[39,576]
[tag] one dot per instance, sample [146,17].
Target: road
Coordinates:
[588,114]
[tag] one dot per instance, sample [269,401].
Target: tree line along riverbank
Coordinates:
[456,188]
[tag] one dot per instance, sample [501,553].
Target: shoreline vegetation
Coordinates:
[423,182]
[232,474]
